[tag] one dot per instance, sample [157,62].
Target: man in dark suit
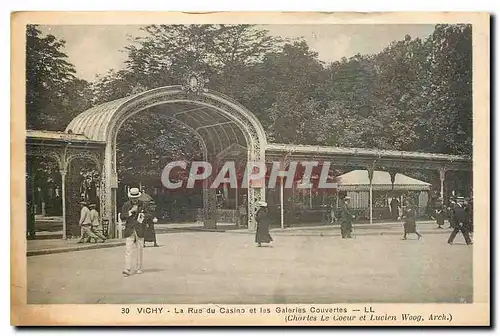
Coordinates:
[461,221]
[346,219]
[133,214]
[451,217]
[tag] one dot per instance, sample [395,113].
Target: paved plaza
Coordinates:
[213,267]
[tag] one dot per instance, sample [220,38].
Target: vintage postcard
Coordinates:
[323,169]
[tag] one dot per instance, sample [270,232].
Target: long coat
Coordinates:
[149,234]
[131,222]
[410,224]
[461,216]
[440,215]
[395,208]
[263,222]
[345,215]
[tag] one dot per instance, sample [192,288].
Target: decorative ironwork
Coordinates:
[55,153]
[194,82]
[85,154]
[246,122]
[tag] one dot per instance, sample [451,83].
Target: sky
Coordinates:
[96,49]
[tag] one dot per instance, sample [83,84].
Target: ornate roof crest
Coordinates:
[194,82]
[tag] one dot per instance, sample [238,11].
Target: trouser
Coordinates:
[332,217]
[86,233]
[130,241]
[97,233]
[464,231]
[345,229]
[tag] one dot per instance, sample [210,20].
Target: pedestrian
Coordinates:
[243,213]
[461,221]
[150,221]
[346,219]
[86,225]
[449,213]
[410,224]
[95,222]
[332,216]
[395,208]
[133,214]
[263,222]
[440,213]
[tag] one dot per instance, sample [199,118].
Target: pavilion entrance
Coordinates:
[222,127]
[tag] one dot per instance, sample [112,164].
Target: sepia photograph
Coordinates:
[301,168]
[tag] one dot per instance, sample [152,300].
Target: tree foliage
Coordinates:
[53,94]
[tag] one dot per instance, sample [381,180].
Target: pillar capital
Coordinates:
[392,173]
[442,172]
[371,168]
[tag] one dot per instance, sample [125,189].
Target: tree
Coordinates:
[407,97]
[53,94]
[220,52]
[447,95]
[284,92]
[225,54]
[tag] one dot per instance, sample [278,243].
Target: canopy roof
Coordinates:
[357,180]
[218,130]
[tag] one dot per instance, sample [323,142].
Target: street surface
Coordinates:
[227,267]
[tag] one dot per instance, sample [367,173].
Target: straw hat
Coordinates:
[134,193]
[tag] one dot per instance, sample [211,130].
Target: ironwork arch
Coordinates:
[102,123]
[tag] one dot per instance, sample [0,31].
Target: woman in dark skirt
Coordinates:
[150,220]
[263,221]
[410,225]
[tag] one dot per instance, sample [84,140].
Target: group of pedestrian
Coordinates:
[90,224]
[140,219]
[346,217]
[459,214]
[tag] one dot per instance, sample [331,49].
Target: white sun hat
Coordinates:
[134,193]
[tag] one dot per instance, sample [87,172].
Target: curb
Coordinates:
[73,249]
[197,229]
[335,234]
